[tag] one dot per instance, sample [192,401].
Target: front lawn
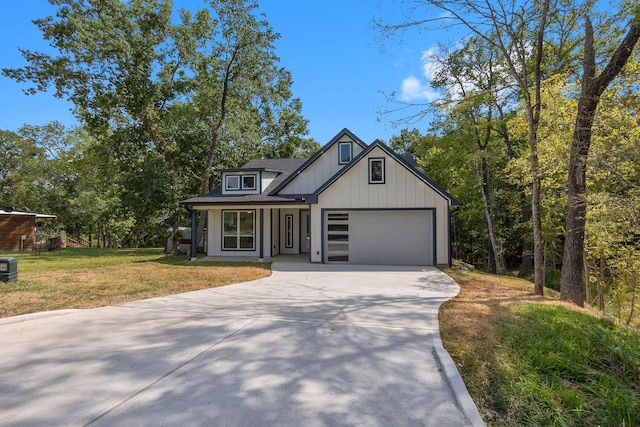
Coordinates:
[87,278]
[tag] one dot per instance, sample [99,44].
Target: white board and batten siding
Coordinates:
[321,170]
[402,191]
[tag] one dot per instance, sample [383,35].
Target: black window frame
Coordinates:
[288,231]
[238,235]
[382,179]
[255,181]
[340,145]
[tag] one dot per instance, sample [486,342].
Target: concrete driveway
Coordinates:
[311,345]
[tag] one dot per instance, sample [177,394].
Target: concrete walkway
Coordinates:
[311,345]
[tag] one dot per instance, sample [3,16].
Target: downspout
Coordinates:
[194,232]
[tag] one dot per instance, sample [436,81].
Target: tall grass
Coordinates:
[565,367]
[534,361]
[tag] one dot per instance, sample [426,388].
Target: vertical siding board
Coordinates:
[398,177]
[409,191]
[211,235]
[316,234]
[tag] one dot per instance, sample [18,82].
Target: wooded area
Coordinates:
[536,131]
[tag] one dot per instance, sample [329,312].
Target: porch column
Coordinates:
[261,235]
[194,232]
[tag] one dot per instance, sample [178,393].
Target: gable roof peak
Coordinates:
[319,153]
[410,164]
[339,136]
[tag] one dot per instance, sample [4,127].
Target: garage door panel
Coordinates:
[391,237]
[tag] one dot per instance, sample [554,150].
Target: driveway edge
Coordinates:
[454,380]
[36,316]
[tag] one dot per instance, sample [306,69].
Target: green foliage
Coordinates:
[165,104]
[469,145]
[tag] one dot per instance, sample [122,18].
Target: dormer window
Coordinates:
[344,151]
[240,182]
[248,182]
[232,182]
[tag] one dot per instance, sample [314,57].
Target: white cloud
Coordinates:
[429,65]
[419,88]
[415,90]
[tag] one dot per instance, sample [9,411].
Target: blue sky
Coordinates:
[340,71]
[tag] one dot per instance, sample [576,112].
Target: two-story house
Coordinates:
[349,203]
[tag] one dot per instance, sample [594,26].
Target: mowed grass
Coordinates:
[534,361]
[88,278]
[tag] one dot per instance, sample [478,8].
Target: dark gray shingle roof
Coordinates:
[287,166]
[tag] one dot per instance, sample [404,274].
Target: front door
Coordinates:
[305,232]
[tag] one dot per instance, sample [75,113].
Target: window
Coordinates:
[248,182]
[376,171]
[240,182]
[238,230]
[232,182]
[288,219]
[344,149]
[337,240]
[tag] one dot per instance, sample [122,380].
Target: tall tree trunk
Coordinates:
[216,135]
[533,120]
[633,297]
[571,285]
[498,266]
[587,281]
[536,218]
[526,264]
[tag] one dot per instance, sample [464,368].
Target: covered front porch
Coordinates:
[257,232]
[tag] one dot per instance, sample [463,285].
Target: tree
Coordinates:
[116,62]
[152,91]
[241,95]
[593,86]
[476,102]
[519,35]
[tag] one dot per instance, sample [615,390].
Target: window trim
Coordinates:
[340,145]
[255,181]
[227,179]
[238,235]
[373,160]
[240,177]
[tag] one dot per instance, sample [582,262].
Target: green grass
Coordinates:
[87,278]
[76,258]
[534,361]
[565,367]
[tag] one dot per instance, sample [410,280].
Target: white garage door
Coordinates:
[392,237]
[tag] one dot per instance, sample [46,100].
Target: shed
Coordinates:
[17,229]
